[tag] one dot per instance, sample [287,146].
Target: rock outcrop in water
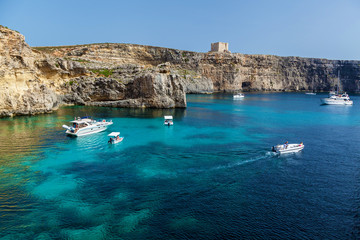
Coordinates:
[38,80]
[153,90]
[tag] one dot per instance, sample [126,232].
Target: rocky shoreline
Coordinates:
[40,79]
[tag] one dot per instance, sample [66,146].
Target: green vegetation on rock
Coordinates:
[105,72]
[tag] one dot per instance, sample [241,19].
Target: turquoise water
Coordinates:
[210,176]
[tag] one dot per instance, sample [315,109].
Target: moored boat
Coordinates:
[85,126]
[335,98]
[341,99]
[115,137]
[168,120]
[239,96]
[288,148]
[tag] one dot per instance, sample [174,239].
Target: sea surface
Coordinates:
[210,176]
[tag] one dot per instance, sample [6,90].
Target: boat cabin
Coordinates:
[80,123]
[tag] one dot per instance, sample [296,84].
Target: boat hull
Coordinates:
[116,141]
[332,101]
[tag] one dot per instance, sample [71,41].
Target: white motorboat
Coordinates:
[288,148]
[335,98]
[340,99]
[239,96]
[310,93]
[115,137]
[85,126]
[168,120]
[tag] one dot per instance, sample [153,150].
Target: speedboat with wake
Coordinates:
[288,148]
[85,126]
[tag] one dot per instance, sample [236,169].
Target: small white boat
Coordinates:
[168,120]
[239,96]
[288,148]
[85,126]
[115,137]
[310,93]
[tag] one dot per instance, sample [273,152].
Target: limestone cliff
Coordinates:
[33,81]
[29,81]
[36,80]
[211,72]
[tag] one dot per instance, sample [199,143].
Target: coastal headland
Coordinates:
[40,79]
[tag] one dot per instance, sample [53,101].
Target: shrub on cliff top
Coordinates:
[105,72]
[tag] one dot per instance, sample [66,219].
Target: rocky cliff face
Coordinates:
[33,81]
[29,81]
[150,90]
[36,80]
[209,72]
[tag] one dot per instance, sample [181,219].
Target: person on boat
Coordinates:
[117,138]
[286,145]
[301,143]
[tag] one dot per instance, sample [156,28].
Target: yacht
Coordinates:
[335,98]
[85,126]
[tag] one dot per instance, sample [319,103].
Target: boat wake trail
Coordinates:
[245,161]
[261,156]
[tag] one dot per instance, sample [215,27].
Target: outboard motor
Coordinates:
[273,149]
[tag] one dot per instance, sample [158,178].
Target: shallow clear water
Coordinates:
[210,176]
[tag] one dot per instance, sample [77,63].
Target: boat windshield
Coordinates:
[79,125]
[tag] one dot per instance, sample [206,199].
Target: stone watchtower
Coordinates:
[220,47]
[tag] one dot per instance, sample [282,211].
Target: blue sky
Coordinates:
[306,28]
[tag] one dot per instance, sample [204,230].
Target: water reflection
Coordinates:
[104,112]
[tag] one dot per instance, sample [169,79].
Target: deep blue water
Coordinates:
[210,176]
